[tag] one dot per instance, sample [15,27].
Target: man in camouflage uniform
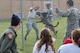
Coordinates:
[72,18]
[31,22]
[50,13]
[8,39]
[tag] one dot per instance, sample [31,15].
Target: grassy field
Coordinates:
[29,43]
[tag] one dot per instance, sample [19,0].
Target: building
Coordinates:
[7,7]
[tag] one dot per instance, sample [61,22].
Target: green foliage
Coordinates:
[31,39]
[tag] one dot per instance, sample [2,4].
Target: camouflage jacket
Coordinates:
[8,45]
[72,19]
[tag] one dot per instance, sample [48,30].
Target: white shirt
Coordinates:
[42,50]
[32,13]
[69,48]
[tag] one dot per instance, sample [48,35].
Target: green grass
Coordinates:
[29,43]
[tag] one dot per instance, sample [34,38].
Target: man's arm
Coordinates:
[7,42]
[31,8]
[63,14]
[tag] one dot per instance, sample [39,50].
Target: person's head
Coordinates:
[16,21]
[36,7]
[76,36]
[70,3]
[48,6]
[45,38]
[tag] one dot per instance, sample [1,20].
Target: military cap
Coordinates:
[16,16]
[15,20]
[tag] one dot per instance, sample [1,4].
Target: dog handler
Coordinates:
[72,18]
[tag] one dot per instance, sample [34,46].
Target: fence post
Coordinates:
[21,9]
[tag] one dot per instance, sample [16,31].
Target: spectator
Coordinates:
[45,43]
[75,46]
[8,39]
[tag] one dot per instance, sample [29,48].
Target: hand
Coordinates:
[31,9]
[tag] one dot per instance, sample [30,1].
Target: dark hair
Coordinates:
[76,36]
[15,20]
[70,3]
[45,38]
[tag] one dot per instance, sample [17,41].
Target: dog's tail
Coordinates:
[57,24]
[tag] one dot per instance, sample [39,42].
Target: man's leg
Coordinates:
[50,19]
[29,27]
[34,25]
